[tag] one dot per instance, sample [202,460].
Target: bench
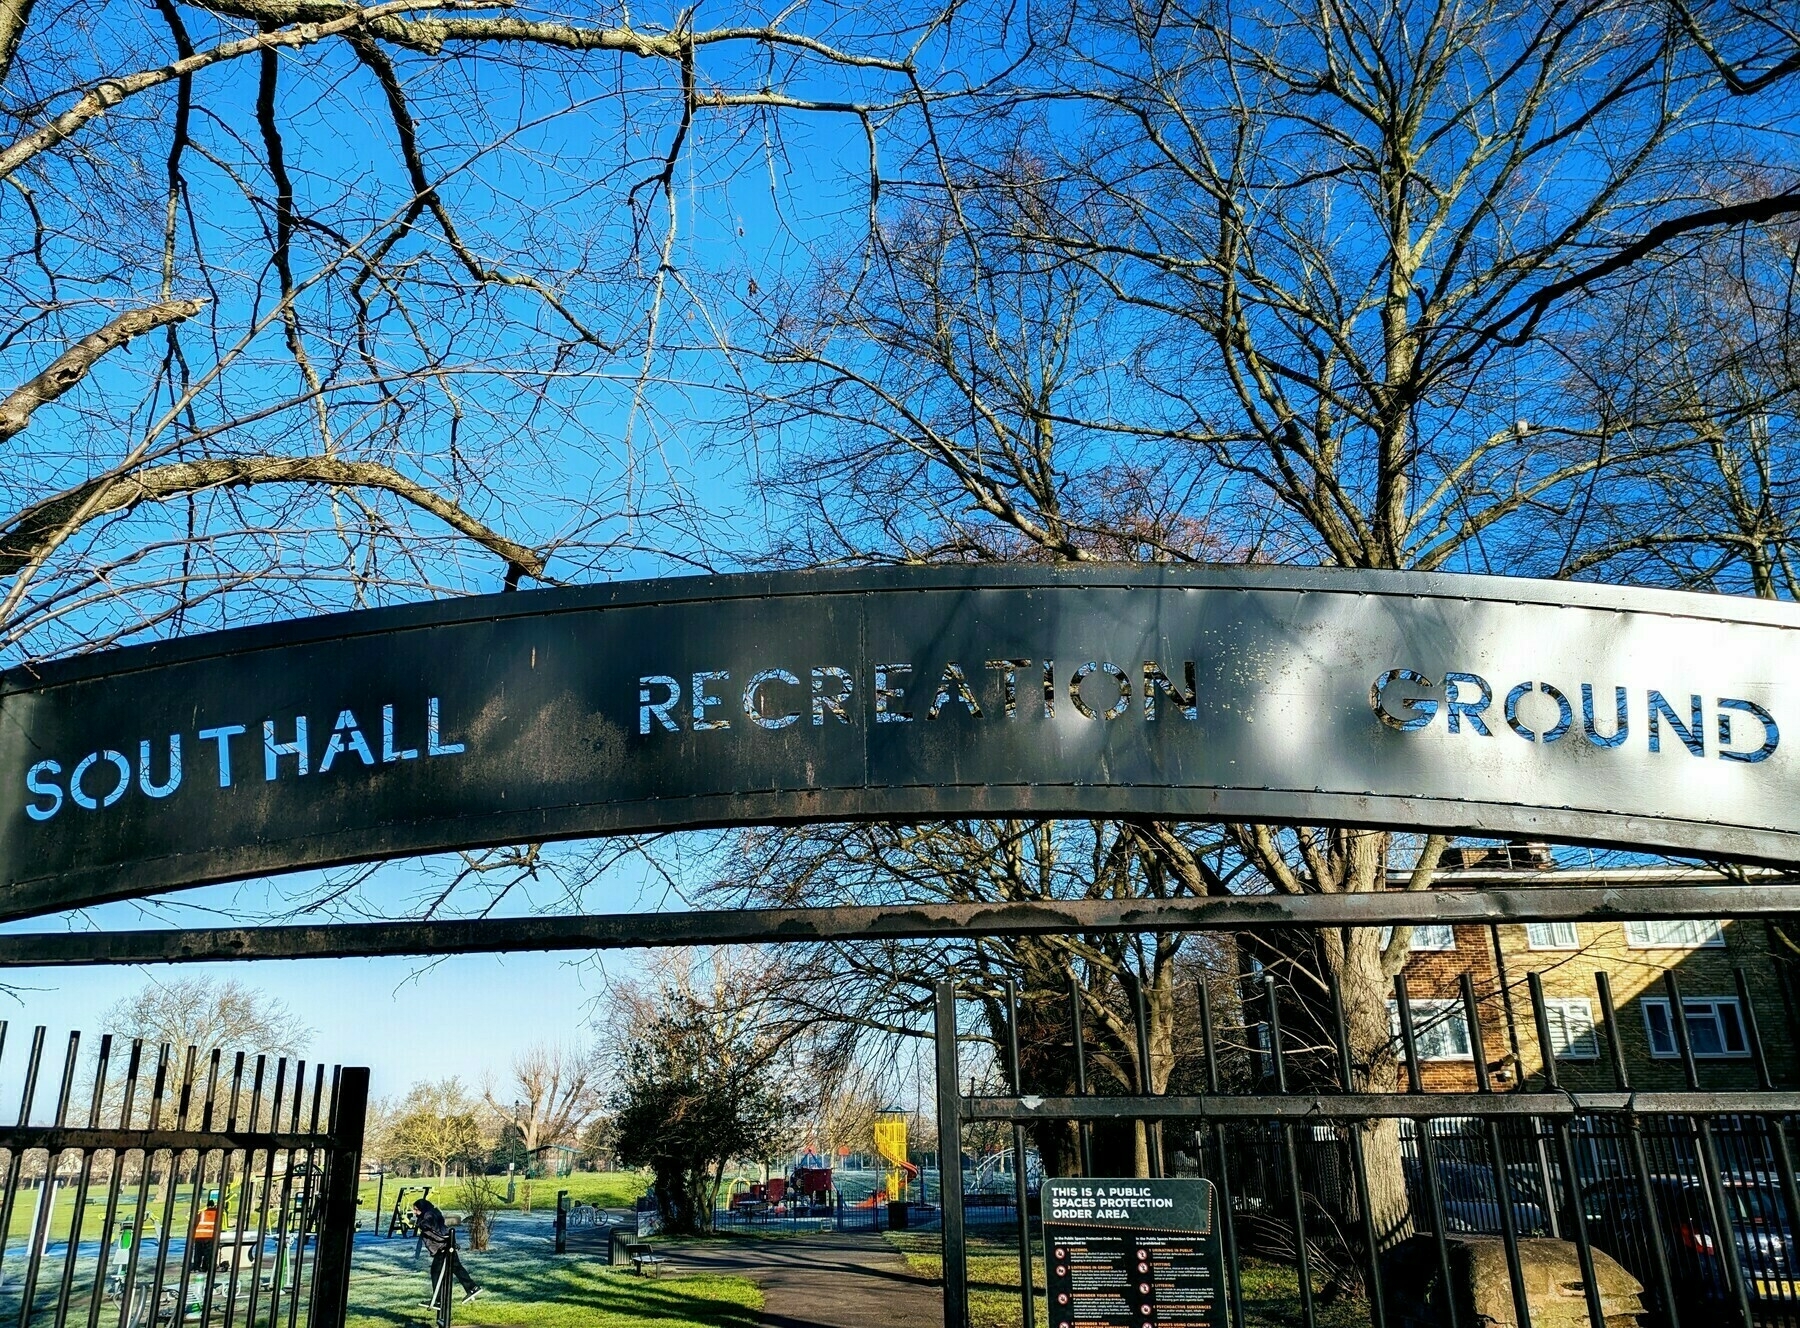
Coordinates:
[644,1257]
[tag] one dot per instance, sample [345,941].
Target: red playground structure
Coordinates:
[812,1185]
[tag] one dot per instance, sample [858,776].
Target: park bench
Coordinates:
[644,1258]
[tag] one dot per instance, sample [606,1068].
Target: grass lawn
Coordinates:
[525,1285]
[25,1209]
[1271,1291]
[993,1274]
[603,1189]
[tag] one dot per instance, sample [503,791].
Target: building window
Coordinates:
[1715,1027]
[1431,936]
[1572,1036]
[1683,934]
[1551,936]
[1440,1029]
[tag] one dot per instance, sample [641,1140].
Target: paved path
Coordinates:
[824,1281]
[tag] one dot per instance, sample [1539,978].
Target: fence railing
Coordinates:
[1367,1194]
[154,1187]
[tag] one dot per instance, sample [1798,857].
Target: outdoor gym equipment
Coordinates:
[402,1222]
[440,1296]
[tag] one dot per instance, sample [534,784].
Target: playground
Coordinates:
[780,1258]
[801,1245]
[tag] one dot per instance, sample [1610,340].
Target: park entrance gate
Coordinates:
[1480,706]
[147,1186]
[1650,1182]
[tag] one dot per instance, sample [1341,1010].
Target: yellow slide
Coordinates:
[890,1143]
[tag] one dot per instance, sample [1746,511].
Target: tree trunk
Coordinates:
[1363,981]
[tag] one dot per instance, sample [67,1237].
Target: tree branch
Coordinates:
[40,525]
[1534,307]
[14,15]
[110,92]
[75,363]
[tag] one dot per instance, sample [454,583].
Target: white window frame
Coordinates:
[1580,1046]
[1432,1019]
[1416,947]
[1548,936]
[1655,935]
[1702,1007]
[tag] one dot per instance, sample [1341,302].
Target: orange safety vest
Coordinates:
[207,1225]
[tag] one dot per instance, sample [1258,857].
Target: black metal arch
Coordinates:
[1481,705]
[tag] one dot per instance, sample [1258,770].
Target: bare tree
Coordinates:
[315,304]
[1302,289]
[1697,369]
[438,1126]
[556,1093]
[208,1013]
[881,993]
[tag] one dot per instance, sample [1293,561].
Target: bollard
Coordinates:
[562,1221]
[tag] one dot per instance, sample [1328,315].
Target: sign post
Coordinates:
[1132,1253]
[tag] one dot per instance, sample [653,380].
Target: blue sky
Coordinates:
[407,1019]
[753,200]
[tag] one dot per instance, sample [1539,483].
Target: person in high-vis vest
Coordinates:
[205,1238]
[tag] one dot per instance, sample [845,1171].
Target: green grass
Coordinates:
[603,1189]
[525,1285]
[1272,1298]
[993,1274]
[1271,1291]
[94,1212]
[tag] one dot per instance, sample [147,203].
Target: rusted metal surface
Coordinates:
[1543,903]
[1482,705]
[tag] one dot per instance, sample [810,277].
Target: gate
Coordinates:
[161,1187]
[1692,1191]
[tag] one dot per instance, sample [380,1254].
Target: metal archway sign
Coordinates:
[1484,705]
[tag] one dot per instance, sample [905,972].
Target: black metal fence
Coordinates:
[158,1187]
[1375,1198]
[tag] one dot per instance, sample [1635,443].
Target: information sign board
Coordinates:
[1132,1253]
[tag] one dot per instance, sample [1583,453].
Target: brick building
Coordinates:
[1705,957]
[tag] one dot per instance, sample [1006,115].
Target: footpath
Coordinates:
[829,1280]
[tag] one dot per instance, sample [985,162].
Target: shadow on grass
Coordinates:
[1271,1292]
[545,1291]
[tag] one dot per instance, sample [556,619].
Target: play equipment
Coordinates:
[813,1184]
[890,1143]
[812,1180]
[763,1195]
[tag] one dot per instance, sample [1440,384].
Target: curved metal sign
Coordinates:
[1484,705]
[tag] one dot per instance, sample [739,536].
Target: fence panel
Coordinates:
[1372,1195]
[158,1187]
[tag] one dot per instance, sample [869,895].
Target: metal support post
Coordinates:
[949,1113]
[337,1223]
[1021,1181]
